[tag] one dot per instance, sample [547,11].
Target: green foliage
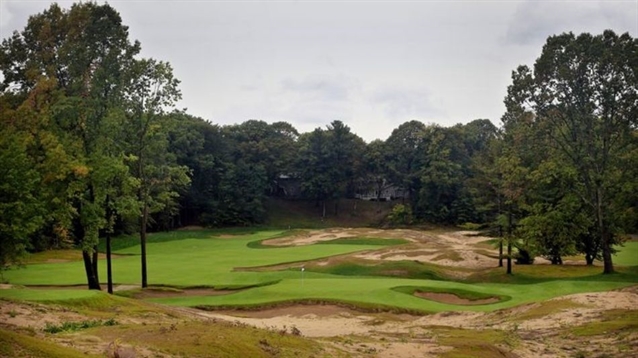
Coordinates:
[76,326]
[21,208]
[400,215]
[582,96]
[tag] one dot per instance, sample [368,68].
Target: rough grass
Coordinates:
[475,343]
[448,255]
[364,241]
[613,322]
[21,344]
[529,274]
[545,308]
[155,328]
[464,294]
[212,339]
[402,269]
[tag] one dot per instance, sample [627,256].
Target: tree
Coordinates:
[583,93]
[21,208]
[78,56]
[344,152]
[151,90]
[206,150]
[269,146]
[486,186]
[403,147]
[375,169]
[314,167]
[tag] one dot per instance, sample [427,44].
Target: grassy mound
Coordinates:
[21,344]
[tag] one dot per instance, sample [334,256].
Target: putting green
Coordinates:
[186,259]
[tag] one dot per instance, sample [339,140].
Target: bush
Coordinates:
[400,215]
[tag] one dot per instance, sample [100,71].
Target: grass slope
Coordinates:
[150,329]
[18,345]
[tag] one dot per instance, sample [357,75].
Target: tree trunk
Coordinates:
[95,267]
[91,274]
[323,212]
[605,235]
[336,207]
[500,245]
[143,221]
[509,257]
[589,259]
[109,272]
[607,261]
[510,221]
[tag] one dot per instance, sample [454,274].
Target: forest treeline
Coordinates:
[91,145]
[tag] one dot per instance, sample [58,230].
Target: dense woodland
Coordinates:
[91,146]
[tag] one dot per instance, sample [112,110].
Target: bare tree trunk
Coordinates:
[143,222]
[510,221]
[109,272]
[509,258]
[500,246]
[323,213]
[94,264]
[500,253]
[608,266]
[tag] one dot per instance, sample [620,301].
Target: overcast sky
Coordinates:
[371,64]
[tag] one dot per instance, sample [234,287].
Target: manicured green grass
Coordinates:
[187,258]
[209,258]
[627,255]
[47,294]
[379,292]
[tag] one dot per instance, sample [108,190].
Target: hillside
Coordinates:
[284,213]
